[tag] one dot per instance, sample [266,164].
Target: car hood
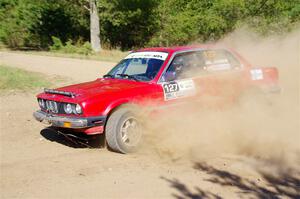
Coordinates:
[101,86]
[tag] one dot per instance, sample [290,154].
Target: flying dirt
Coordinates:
[264,126]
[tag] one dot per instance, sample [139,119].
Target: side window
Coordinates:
[216,60]
[202,62]
[220,61]
[235,63]
[181,67]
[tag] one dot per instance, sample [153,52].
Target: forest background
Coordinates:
[131,24]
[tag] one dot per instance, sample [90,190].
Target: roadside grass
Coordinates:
[104,55]
[21,80]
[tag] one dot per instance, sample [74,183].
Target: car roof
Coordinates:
[178,48]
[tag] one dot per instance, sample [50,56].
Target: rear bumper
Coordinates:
[69,122]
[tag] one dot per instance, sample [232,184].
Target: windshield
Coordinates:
[139,66]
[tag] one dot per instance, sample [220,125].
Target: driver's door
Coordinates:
[204,77]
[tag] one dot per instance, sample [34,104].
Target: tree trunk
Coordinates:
[94,26]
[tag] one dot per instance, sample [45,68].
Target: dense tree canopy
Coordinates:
[137,23]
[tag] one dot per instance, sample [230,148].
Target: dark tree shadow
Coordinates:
[71,139]
[279,185]
[282,185]
[185,192]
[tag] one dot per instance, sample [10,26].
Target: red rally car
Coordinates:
[156,77]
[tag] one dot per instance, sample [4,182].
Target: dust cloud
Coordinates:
[260,126]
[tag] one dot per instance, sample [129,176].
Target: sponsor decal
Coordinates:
[257,74]
[178,89]
[152,55]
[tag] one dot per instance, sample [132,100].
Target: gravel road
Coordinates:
[77,69]
[36,163]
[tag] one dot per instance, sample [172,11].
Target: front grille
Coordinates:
[55,107]
[52,106]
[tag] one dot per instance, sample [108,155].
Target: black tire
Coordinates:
[115,128]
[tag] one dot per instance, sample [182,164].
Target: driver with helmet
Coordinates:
[175,69]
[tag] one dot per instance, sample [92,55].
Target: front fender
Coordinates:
[114,105]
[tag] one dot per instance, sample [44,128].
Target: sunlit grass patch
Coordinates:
[18,79]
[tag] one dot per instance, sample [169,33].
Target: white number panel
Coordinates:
[257,74]
[178,89]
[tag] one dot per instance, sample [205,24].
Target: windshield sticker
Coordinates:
[178,89]
[152,55]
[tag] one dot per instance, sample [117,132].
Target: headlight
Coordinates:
[68,108]
[77,109]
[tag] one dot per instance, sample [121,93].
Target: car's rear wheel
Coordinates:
[123,131]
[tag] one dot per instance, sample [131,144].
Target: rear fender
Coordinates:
[264,78]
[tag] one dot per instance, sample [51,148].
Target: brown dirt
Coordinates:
[77,69]
[35,167]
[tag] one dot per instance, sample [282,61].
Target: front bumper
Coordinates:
[68,122]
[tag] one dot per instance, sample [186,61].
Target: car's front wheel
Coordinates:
[123,131]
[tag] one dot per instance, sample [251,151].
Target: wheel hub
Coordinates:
[130,132]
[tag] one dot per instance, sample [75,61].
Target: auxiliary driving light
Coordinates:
[42,103]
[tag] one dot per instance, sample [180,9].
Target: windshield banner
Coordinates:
[152,55]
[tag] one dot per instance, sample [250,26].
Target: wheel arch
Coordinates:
[118,105]
[112,123]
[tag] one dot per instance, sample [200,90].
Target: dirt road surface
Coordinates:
[67,67]
[36,163]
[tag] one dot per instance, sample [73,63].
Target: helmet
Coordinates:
[178,64]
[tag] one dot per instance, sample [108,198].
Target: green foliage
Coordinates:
[11,31]
[69,47]
[85,49]
[272,16]
[17,79]
[183,21]
[57,44]
[61,19]
[32,23]
[137,23]
[127,24]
